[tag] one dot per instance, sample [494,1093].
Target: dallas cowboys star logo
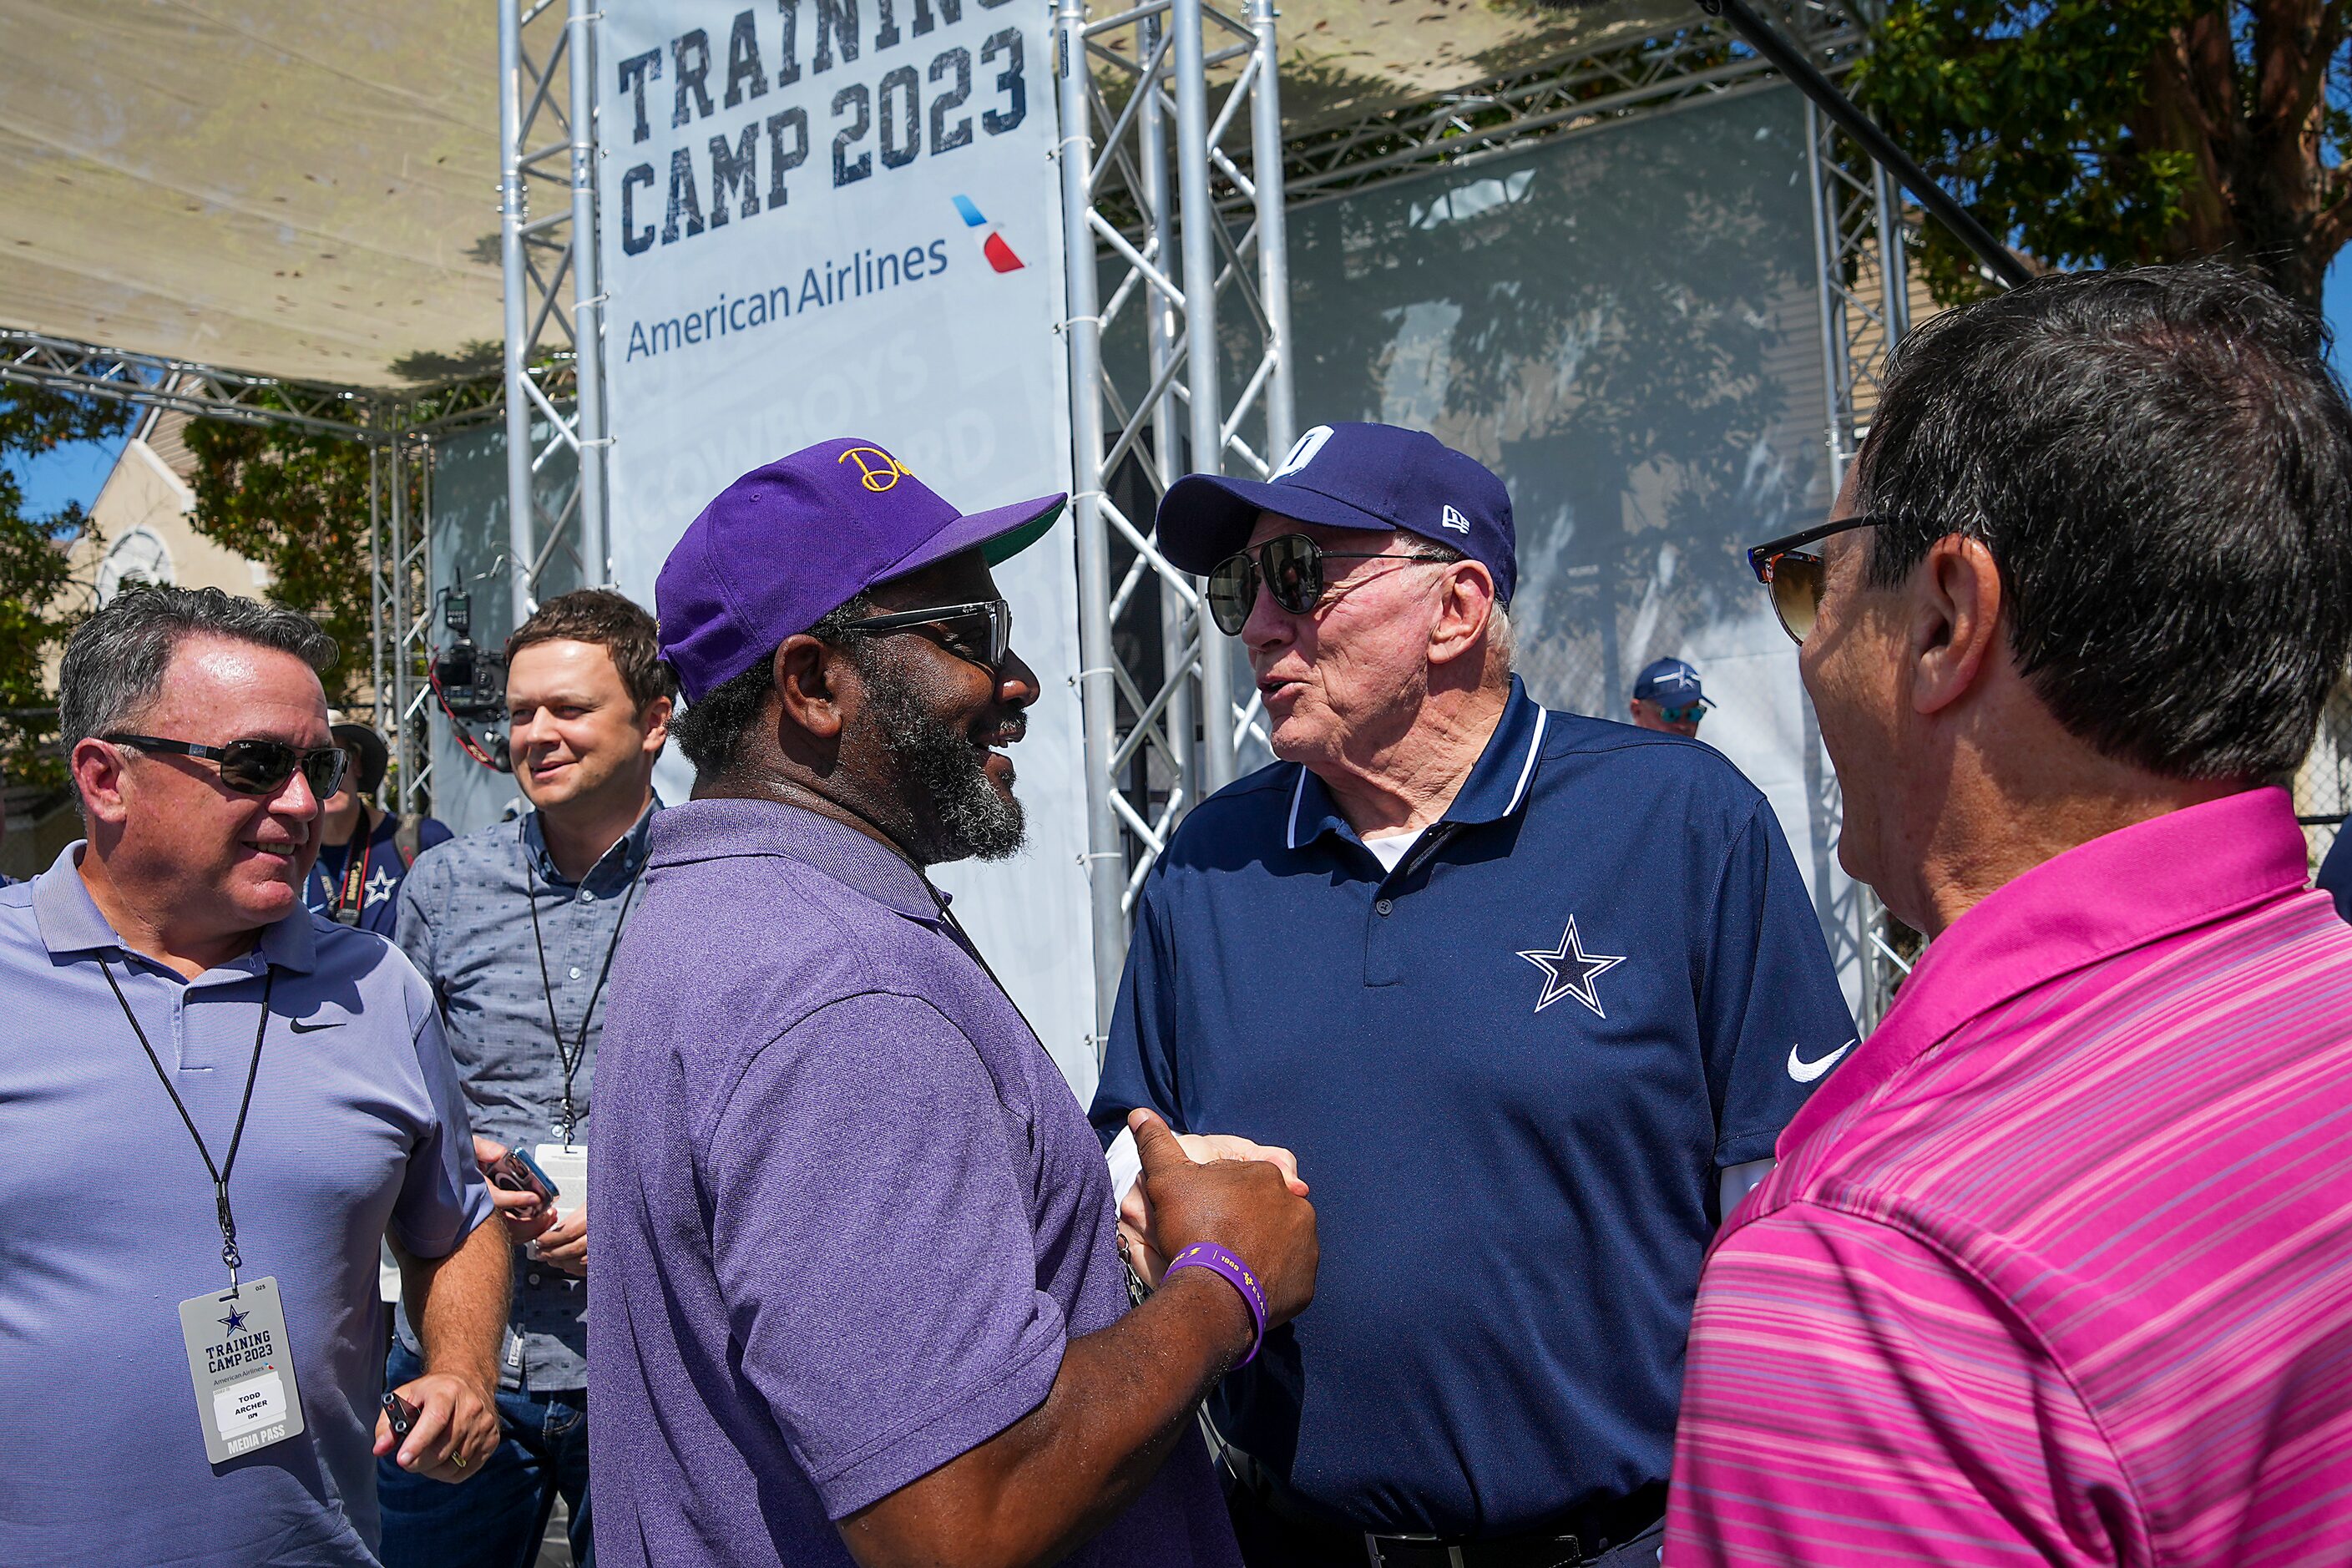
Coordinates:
[379,886]
[236,1320]
[1570,971]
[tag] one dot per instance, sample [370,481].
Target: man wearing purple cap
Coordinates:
[858,1293]
[1530,995]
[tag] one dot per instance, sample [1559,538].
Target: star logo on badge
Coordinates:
[1570,971]
[379,886]
[234,1322]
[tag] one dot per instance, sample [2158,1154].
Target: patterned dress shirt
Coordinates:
[467,919]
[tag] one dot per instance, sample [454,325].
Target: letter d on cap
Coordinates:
[1303,450]
[874,476]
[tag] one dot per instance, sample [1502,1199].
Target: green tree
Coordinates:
[2113,132]
[38,608]
[296,501]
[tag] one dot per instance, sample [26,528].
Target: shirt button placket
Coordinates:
[1383,944]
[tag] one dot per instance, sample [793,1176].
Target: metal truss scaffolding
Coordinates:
[554,378]
[1860,249]
[1507,113]
[156,382]
[400,606]
[1145,167]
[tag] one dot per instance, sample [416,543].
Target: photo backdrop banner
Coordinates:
[820,218]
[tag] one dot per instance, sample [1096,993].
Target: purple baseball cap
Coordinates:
[787,543]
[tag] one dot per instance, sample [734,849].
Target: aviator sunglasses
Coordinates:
[256,767]
[1291,567]
[980,632]
[1795,575]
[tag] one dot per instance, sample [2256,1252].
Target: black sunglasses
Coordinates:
[980,632]
[256,767]
[1795,575]
[1291,567]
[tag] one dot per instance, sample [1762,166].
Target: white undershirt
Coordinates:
[1392,848]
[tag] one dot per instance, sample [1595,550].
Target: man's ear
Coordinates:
[656,719]
[1955,603]
[1466,607]
[97,774]
[805,673]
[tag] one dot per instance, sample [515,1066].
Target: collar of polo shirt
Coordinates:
[1496,785]
[70,921]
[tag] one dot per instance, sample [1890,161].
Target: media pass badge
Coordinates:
[242,1369]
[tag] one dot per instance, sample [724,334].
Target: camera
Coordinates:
[470,682]
[471,679]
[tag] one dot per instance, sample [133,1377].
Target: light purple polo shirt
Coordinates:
[106,1223]
[848,1213]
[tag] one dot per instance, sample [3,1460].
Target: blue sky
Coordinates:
[74,472]
[69,473]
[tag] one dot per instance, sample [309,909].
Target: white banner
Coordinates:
[842,217]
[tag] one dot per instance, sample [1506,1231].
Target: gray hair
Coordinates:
[114,666]
[1500,643]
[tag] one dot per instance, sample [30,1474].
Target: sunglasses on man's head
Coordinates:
[980,632]
[256,767]
[1796,576]
[1291,568]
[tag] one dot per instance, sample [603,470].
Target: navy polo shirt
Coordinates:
[1512,1070]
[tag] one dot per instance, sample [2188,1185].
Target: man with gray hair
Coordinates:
[1530,995]
[2058,1268]
[212,1105]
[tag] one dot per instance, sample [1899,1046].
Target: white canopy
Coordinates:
[309,190]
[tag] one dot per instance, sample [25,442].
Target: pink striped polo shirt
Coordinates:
[2058,1265]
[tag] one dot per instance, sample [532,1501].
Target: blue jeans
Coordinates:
[495,1519]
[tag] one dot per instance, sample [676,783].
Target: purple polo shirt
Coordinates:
[848,1213]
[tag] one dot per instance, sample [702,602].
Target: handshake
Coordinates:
[1245,1197]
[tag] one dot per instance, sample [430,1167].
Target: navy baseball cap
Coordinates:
[1351,476]
[1670,683]
[787,543]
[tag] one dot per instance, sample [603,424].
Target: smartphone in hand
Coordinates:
[518,1173]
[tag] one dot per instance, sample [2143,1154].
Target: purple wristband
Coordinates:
[1235,1272]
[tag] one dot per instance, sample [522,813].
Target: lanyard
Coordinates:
[220,1174]
[355,888]
[572,1055]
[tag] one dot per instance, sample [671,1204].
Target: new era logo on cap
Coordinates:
[1454,520]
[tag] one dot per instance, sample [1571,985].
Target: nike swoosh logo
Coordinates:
[1804,1071]
[305,1026]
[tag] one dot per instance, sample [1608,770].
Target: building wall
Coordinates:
[149,497]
